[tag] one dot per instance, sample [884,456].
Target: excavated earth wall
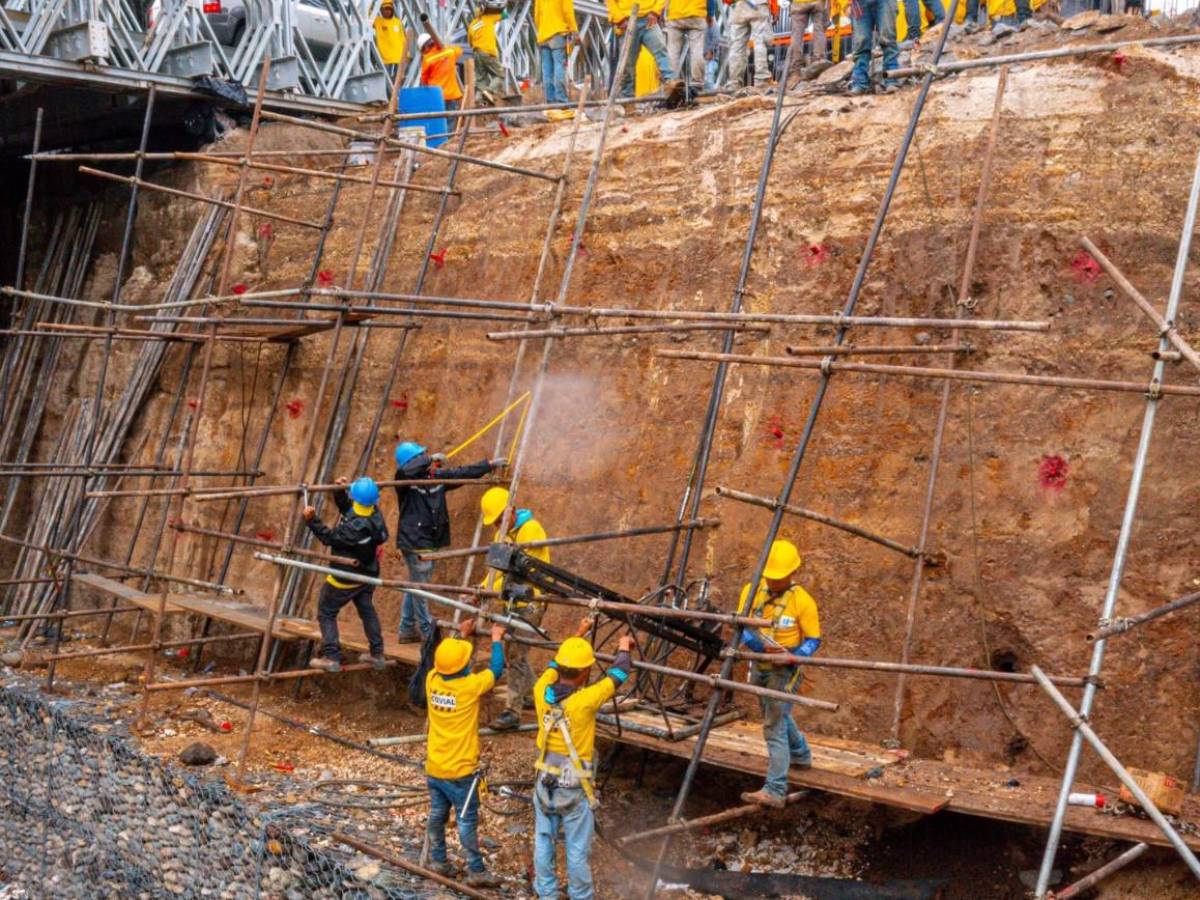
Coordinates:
[1032,482]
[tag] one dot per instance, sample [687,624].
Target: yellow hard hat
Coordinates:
[783,560]
[492,503]
[575,653]
[452,655]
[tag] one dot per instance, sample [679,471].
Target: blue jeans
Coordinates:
[785,742]
[870,16]
[414,613]
[912,16]
[444,794]
[565,810]
[554,68]
[652,39]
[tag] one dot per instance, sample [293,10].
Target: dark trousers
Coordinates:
[330,604]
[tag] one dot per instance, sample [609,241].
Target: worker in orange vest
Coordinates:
[439,68]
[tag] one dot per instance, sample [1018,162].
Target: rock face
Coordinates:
[84,815]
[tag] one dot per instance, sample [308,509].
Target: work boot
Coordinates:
[858,90]
[440,868]
[379,663]
[324,664]
[408,637]
[803,763]
[481,880]
[764,798]
[506,721]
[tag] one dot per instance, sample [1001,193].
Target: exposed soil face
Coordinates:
[1032,481]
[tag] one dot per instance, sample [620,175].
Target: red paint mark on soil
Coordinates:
[265,535]
[294,408]
[284,767]
[1120,59]
[503,130]
[775,432]
[815,254]
[402,403]
[227,726]
[268,181]
[583,251]
[184,653]
[1052,473]
[1087,270]
[193,404]
[239,289]
[325,277]
[265,231]
[439,258]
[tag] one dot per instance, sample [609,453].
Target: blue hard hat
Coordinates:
[523,516]
[364,491]
[407,451]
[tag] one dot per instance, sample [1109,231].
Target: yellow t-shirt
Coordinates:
[794,614]
[481,33]
[554,17]
[686,9]
[389,38]
[528,533]
[453,706]
[580,712]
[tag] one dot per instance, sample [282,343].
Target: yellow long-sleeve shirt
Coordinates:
[554,17]
[481,33]
[687,9]
[390,39]
[579,711]
[529,532]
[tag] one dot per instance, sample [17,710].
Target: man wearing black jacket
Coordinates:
[423,524]
[358,535]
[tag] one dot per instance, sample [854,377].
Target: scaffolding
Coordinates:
[200,308]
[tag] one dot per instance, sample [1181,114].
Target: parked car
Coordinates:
[312,18]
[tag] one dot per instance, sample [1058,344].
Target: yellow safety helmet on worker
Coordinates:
[575,653]
[452,656]
[782,561]
[492,504]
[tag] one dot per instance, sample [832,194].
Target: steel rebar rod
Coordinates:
[152,646]
[1124,537]
[191,195]
[985,62]
[69,330]
[259,542]
[876,350]
[1120,626]
[312,173]
[815,406]
[1095,877]
[857,531]
[575,539]
[621,329]
[1165,328]
[68,614]
[221,493]
[1085,732]
[259,678]
[1153,388]
[408,145]
[655,612]
[400,862]
[939,431]
[909,668]
[727,815]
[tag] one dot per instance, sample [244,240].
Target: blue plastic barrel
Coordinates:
[430,100]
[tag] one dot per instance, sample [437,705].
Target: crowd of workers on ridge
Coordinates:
[680,41]
[565,704]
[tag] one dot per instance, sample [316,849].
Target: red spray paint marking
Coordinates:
[284,767]
[402,403]
[193,404]
[583,251]
[294,408]
[265,231]
[238,289]
[503,130]
[815,254]
[227,726]
[265,535]
[774,436]
[1087,270]
[325,277]
[1120,59]
[1052,473]
[184,653]
[268,181]
[439,258]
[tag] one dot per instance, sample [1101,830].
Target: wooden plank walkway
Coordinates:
[839,764]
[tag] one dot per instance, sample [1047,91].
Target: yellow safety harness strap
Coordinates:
[558,719]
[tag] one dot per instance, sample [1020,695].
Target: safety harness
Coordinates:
[758,613]
[562,776]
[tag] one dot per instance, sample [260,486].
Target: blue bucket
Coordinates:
[422,100]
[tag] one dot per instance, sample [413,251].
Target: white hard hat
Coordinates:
[422,40]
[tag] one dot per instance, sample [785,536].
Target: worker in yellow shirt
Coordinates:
[523,529]
[452,693]
[648,34]
[687,21]
[795,631]
[481,34]
[563,796]
[390,38]
[556,27]
[439,68]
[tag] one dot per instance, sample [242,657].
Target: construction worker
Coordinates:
[390,38]
[439,68]
[423,524]
[648,34]
[749,19]
[802,14]
[563,794]
[871,17]
[556,27]
[452,770]
[481,33]
[686,28]
[523,529]
[796,631]
[358,535]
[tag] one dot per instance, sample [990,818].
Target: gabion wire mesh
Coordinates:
[83,813]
